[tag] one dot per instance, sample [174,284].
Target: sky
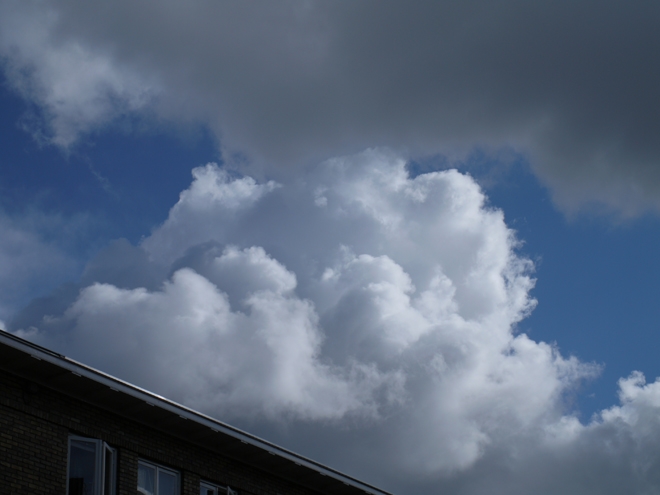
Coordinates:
[414,241]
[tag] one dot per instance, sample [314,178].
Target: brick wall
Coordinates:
[35,423]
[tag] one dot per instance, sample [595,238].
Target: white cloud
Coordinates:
[570,86]
[186,342]
[374,330]
[615,453]
[212,205]
[387,310]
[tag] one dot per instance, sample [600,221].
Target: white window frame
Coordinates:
[106,482]
[217,489]
[159,468]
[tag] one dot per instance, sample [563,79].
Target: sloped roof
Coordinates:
[65,375]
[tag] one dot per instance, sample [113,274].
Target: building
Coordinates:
[66,428]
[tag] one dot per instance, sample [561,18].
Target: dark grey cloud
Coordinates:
[572,84]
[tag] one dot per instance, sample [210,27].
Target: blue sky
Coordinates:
[596,281]
[444,232]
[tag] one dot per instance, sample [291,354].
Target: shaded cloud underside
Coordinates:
[571,84]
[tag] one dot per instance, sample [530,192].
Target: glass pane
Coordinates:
[205,490]
[167,483]
[109,472]
[146,479]
[82,468]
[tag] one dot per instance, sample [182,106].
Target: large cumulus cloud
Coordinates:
[373,310]
[570,84]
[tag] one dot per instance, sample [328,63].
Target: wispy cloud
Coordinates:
[34,258]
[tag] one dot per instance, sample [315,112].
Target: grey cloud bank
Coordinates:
[571,84]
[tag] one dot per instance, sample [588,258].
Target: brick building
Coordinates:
[66,428]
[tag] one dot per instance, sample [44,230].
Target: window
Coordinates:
[210,489]
[92,467]
[157,480]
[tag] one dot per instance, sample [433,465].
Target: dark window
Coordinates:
[211,489]
[157,480]
[92,467]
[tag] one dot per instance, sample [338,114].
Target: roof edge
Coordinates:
[42,353]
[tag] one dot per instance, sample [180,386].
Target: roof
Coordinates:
[65,375]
